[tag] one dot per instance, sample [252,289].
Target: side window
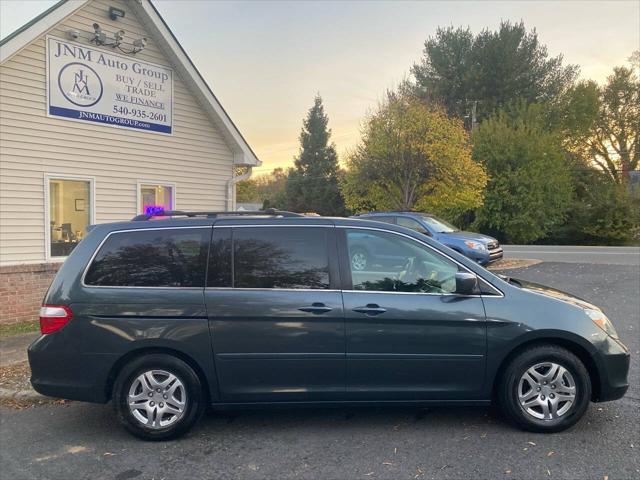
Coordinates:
[386,262]
[219,272]
[412,224]
[151,258]
[280,257]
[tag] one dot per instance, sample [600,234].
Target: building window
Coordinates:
[70,207]
[154,197]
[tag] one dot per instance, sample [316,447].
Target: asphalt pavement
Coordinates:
[78,441]
[13,348]
[575,254]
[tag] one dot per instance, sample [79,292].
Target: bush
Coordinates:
[529,189]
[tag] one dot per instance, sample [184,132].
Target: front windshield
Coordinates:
[439,226]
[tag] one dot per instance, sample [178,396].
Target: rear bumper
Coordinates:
[61,372]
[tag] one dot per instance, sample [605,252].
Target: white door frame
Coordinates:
[163,183]
[47,208]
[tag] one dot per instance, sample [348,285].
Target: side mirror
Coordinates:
[466,283]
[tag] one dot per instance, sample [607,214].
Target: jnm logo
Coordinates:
[80,85]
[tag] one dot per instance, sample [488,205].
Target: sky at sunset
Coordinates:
[265,61]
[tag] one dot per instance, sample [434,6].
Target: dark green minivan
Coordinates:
[169,315]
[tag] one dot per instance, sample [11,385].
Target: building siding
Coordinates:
[195,158]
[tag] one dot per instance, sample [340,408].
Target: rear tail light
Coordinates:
[54,317]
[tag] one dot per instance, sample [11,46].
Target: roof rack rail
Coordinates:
[179,213]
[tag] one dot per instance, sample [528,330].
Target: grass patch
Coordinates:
[19,328]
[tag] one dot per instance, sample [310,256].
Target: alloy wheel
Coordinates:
[546,391]
[157,399]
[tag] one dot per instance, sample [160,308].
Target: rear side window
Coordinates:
[412,224]
[220,258]
[151,258]
[280,257]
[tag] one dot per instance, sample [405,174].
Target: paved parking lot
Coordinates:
[78,441]
[573,254]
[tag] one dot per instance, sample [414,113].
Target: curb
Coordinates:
[513,263]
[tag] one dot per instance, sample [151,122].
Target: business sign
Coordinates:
[87,84]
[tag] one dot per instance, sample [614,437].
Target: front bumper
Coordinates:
[488,257]
[613,369]
[495,254]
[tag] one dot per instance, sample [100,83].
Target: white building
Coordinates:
[102,116]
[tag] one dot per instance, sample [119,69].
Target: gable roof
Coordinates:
[153,22]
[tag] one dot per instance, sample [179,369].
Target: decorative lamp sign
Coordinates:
[91,85]
[154,209]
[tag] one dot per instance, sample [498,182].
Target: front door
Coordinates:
[408,335]
[275,312]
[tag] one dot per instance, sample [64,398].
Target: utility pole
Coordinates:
[474,121]
[472,117]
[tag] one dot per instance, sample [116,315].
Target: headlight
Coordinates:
[601,320]
[475,245]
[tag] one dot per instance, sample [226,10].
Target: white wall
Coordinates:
[195,158]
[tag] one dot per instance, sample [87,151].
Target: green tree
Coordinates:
[602,212]
[604,209]
[491,69]
[246,191]
[601,137]
[576,113]
[445,74]
[615,142]
[529,188]
[312,185]
[412,156]
[267,189]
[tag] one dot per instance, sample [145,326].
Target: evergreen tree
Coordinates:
[491,69]
[312,185]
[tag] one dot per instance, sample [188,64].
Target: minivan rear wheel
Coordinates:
[158,397]
[545,388]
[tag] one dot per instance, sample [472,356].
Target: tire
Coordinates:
[359,259]
[162,415]
[516,387]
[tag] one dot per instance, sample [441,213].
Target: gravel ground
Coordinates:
[15,376]
[81,441]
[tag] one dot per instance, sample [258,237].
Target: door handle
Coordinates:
[316,309]
[370,309]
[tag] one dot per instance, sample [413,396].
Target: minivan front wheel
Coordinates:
[545,388]
[158,397]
